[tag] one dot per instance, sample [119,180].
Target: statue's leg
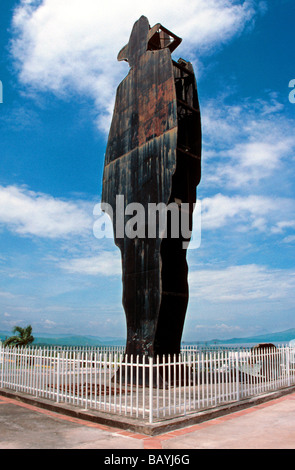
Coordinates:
[174,298]
[141,293]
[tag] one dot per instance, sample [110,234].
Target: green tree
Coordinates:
[23,338]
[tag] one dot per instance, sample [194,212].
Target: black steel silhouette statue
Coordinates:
[153,155]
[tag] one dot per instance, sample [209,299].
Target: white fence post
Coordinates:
[2,365]
[288,366]
[151,374]
[237,376]
[57,377]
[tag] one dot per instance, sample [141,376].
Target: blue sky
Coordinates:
[59,74]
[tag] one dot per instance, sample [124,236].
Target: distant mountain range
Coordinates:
[43,339]
[279,337]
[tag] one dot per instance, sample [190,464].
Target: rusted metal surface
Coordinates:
[152,156]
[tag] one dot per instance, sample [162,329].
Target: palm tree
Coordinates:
[23,339]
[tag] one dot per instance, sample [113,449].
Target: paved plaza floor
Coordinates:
[269,425]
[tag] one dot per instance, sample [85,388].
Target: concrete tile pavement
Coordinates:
[269,425]
[266,426]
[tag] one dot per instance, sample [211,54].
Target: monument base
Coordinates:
[162,376]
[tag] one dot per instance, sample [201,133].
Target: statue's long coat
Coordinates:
[140,161]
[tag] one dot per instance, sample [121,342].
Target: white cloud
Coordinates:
[29,213]
[289,239]
[49,324]
[242,283]
[282,225]
[107,263]
[6,295]
[253,141]
[220,330]
[254,212]
[64,46]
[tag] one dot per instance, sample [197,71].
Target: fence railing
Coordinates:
[141,387]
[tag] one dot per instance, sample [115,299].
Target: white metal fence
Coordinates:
[143,388]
